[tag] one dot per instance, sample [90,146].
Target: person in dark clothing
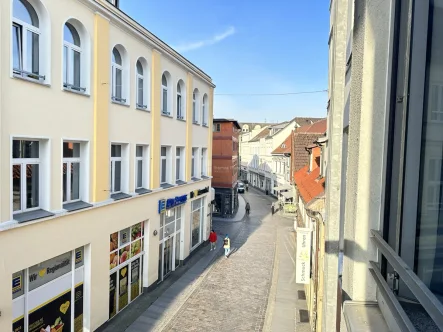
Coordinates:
[272,208]
[248,208]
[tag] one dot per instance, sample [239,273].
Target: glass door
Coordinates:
[167,256]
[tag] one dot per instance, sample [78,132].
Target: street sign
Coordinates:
[303,256]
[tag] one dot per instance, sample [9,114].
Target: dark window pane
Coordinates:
[164,80]
[140,99]
[16,188]
[139,68]
[25,12]
[33,52]
[139,151]
[179,105]
[177,151]
[116,150]
[32,186]
[17,56]
[139,173]
[25,149]
[71,150]
[71,35]
[66,65]
[163,170]
[163,151]
[177,169]
[118,83]
[117,176]
[76,69]
[75,181]
[165,101]
[65,182]
[116,58]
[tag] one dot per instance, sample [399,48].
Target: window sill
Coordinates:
[168,115]
[166,185]
[180,182]
[32,215]
[143,191]
[204,177]
[84,94]
[119,103]
[142,109]
[195,179]
[205,125]
[183,120]
[196,123]
[74,206]
[119,196]
[31,80]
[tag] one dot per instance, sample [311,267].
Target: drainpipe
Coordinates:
[318,220]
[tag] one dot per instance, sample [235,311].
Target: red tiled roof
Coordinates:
[318,127]
[285,147]
[310,185]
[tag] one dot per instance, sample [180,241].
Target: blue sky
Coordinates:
[248,46]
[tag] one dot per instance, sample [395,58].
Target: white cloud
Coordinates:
[201,43]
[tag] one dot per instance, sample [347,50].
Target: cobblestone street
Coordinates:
[252,290]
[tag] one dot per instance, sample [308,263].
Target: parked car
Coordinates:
[241,187]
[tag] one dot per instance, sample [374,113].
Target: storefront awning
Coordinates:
[283,187]
[287,195]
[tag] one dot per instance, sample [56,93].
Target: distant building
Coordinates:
[225,166]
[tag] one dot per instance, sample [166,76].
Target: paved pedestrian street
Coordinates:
[252,290]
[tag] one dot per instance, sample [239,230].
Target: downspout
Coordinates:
[318,220]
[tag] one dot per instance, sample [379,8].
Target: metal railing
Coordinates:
[74,87]
[28,74]
[118,99]
[424,296]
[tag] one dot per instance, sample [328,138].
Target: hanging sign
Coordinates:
[166,204]
[198,192]
[303,258]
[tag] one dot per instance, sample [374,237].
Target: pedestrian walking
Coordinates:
[272,209]
[213,240]
[247,187]
[247,208]
[227,245]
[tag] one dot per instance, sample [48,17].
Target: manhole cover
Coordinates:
[301,295]
[304,316]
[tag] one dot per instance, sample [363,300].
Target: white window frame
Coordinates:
[24,71]
[69,161]
[145,166]
[203,158]
[69,65]
[195,106]
[24,162]
[112,169]
[179,102]
[204,111]
[217,127]
[168,166]
[165,88]
[145,91]
[181,159]
[194,154]
[114,68]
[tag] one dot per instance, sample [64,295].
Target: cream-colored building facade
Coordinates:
[105,162]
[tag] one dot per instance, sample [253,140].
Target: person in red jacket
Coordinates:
[213,240]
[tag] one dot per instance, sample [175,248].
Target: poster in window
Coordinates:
[141,274]
[123,288]
[125,254]
[136,231]
[18,325]
[136,248]
[112,295]
[124,236]
[113,241]
[113,259]
[78,308]
[135,278]
[52,316]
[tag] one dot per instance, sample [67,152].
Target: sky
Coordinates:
[249,47]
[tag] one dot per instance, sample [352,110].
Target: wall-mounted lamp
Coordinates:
[155,233]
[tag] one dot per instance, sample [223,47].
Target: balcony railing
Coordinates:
[422,293]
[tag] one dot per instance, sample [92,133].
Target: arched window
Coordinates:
[117,76]
[181,92]
[141,94]
[72,58]
[26,35]
[205,110]
[195,106]
[165,93]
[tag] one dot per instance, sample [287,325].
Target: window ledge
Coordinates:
[168,115]
[196,123]
[183,120]
[142,191]
[119,196]
[204,177]
[142,109]
[32,215]
[166,185]
[84,94]
[180,182]
[31,80]
[74,206]
[205,125]
[195,179]
[119,103]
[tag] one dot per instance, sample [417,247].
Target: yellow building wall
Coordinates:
[101,83]
[189,125]
[156,76]
[210,131]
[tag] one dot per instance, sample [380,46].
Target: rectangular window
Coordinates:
[164,165]
[25,175]
[194,162]
[165,101]
[139,167]
[179,107]
[179,154]
[71,171]
[203,162]
[216,127]
[140,94]
[116,168]
[26,50]
[197,215]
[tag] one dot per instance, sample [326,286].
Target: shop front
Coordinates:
[126,267]
[170,235]
[197,218]
[49,296]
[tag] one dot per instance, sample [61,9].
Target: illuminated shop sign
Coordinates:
[166,204]
[199,192]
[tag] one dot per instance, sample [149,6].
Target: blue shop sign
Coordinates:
[170,203]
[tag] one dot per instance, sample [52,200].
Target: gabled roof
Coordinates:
[301,121]
[260,135]
[318,127]
[309,185]
[285,147]
[300,157]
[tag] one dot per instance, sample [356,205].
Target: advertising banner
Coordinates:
[303,256]
[52,316]
[18,325]
[51,269]
[135,279]
[78,308]
[123,288]
[112,295]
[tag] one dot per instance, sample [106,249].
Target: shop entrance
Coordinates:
[170,244]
